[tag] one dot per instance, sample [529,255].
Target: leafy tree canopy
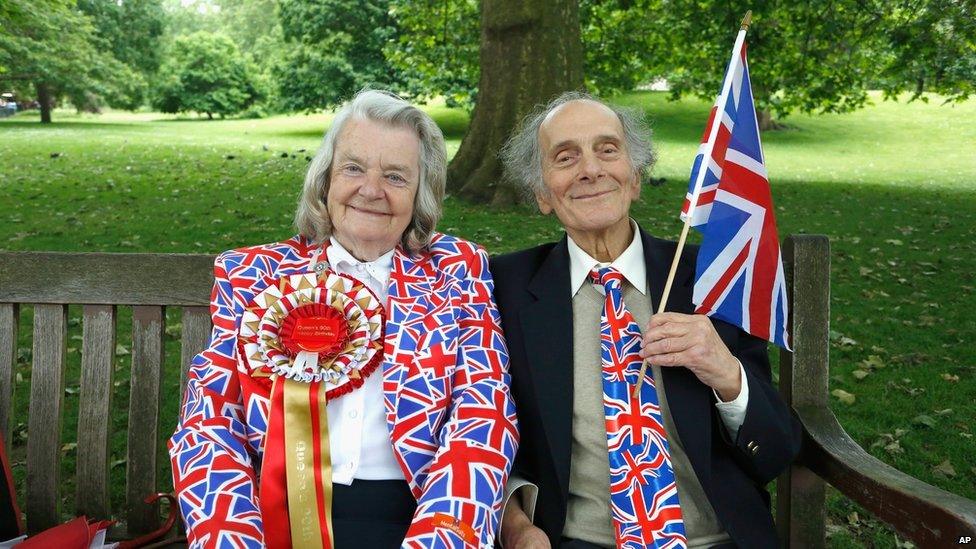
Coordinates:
[132,29]
[932,47]
[205,73]
[335,47]
[437,50]
[54,47]
[806,55]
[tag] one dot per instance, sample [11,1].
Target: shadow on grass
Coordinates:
[453,126]
[63,125]
[684,121]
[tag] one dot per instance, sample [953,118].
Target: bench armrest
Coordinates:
[929,516]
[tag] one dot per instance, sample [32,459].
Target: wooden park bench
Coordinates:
[149,283]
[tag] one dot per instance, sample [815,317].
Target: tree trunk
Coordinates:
[766,122]
[531,51]
[45,100]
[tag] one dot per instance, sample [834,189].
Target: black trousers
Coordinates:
[371,513]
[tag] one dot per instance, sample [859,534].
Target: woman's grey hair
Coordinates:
[312,217]
[523,158]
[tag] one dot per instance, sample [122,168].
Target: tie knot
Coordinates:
[608,277]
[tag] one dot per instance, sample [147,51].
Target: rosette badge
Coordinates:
[308,327]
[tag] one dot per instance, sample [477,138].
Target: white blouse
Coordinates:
[359,437]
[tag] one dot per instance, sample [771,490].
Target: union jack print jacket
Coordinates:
[446,391]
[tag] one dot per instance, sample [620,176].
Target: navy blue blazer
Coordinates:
[532,290]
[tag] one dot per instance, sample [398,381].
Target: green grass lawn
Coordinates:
[893,185]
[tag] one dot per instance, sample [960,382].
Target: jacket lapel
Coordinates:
[688,402]
[407,304]
[547,327]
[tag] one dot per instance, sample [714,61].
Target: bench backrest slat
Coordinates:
[105,279]
[94,410]
[803,375]
[44,422]
[193,338]
[145,394]
[9,322]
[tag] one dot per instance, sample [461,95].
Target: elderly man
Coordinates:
[686,460]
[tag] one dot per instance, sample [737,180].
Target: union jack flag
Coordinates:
[739,276]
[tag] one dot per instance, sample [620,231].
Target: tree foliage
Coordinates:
[129,31]
[807,55]
[437,51]
[205,73]
[131,28]
[931,47]
[54,48]
[622,42]
[334,48]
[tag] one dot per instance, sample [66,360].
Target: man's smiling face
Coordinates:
[586,168]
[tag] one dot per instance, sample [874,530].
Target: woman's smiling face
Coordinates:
[373,182]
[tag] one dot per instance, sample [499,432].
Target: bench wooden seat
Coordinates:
[150,283]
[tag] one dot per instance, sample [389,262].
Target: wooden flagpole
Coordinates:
[706,157]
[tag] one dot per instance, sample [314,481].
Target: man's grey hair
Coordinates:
[522,154]
[312,217]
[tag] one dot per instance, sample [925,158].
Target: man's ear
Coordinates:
[544,206]
[636,186]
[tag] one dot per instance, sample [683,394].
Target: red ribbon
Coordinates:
[274,491]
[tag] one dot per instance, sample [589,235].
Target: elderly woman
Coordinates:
[355,389]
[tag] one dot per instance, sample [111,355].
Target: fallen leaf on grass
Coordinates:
[950,378]
[944,470]
[894,448]
[893,242]
[835,529]
[121,350]
[843,396]
[923,419]
[860,374]
[945,412]
[67,447]
[872,362]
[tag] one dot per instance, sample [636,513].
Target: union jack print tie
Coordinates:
[643,494]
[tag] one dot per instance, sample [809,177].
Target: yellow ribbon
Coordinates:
[301,400]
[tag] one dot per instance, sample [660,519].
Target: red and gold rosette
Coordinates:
[333,316]
[316,337]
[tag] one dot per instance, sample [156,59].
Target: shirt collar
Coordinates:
[630,263]
[379,268]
